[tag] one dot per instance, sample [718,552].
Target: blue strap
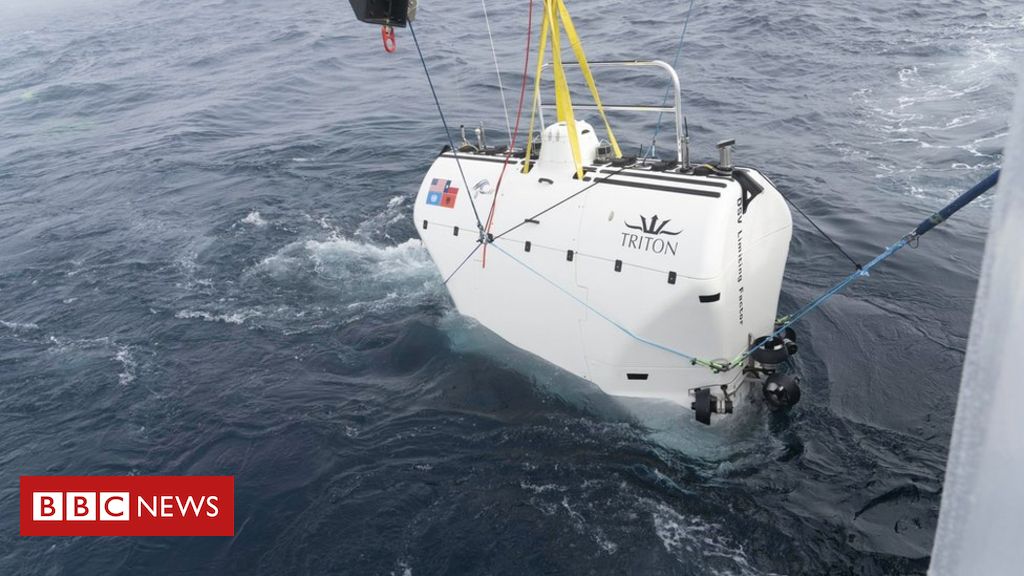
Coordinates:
[955,206]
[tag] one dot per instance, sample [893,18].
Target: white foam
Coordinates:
[325,223]
[61,344]
[127,375]
[188,266]
[374,277]
[540,488]
[254,219]
[282,262]
[581,525]
[19,326]
[945,102]
[378,225]
[232,318]
[360,278]
[688,536]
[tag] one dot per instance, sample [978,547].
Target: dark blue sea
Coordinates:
[208,266]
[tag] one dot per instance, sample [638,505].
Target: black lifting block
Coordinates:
[384,12]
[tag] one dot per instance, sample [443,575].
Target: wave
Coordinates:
[19,326]
[231,318]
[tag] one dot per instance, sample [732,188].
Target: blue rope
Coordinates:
[668,90]
[451,143]
[807,309]
[923,228]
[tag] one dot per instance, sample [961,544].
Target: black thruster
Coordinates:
[671,277]
[455,231]
[527,246]
[702,405]
[569,255]
[618,265]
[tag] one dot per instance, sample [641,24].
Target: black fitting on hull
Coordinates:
[384,12]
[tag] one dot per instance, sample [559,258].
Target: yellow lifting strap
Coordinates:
[577,47]
[563,100]
[555,13]
[536,90]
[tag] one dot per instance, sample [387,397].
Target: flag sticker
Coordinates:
[442,193]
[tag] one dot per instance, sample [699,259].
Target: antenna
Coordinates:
[686,145]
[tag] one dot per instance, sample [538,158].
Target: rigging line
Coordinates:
[693,359]
[497,70]
[515,133]
[463,263]
[577,48]
[562,201]
[668,89]
[447,133]
[818,228]
[535,105]
[923,228]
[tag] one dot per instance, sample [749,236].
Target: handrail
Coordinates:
[682,144]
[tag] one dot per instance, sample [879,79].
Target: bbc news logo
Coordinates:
[127,506]
[116,506]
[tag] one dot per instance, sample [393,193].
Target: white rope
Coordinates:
[497,69]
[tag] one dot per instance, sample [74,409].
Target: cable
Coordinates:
[675,65]
[862,272]
[560,202]
[818,228]
[497,70]
[463,263]
[451,143]
[926,225]
[515,133]
[620,327]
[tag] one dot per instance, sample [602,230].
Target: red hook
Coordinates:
[387,34]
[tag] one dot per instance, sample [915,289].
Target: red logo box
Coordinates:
[127,506]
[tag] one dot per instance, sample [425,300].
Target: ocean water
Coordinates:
[208,266]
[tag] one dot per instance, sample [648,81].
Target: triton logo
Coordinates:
[648,241]
[652,227]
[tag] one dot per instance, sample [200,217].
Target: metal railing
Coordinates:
[682,144]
